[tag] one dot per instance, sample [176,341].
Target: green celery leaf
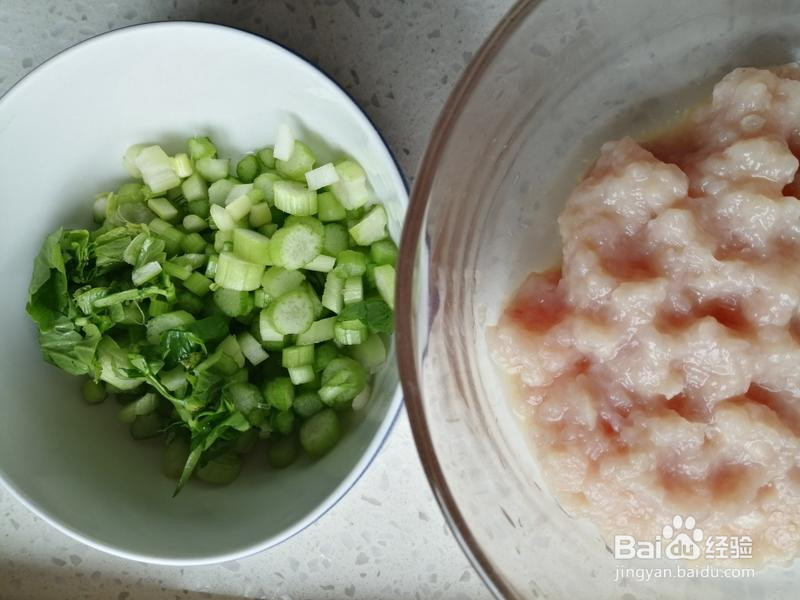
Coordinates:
[181,347]
[373,312]
[110,246]
[47,294]
[143,249]
[66,347]
[380,317]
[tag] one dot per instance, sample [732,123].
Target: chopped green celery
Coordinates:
[276,281]
[220,470]
[384,281]
[188,301]
[350,263]
[260,214]
[248,168]
[284,143]
[251,349]
[350,333]
[279,393]
[179,270]
[171,320]
[146,426]
[222,218]
[99,208]
[297,243]
[219,190]
[201,147]
[233,303]
[175,454]
[239,208]
[332,294]
[230,347]
[324,353]
[291,313]
[212,169]
[116,312]
[156,169]
[316,303]
[182,165]
[129,159]
[260,298]
[351,189]
[322,176]
[268,230]
[371,353]
[211,265]
[198,284]
[320,433]
[266,183]
[237,191]
[383,252]
[322,264]
[295,198]
[236,274]
[251,246]
[172,237]
[198,208]
[193,223]
[173,194]
[283,422]
[209,329]
[301,375]
[194,188]
[320,331]
[141,249]
[195,260]
[297,356]
[267,158]
[353,290]
[221,238]
[361,401]
[336,239]
[145,273]
[225,365]
[342,380]
[267,331]
[175,379]
[246,441]
[244,396]
[143,406]
[307,404]
[157,307]
[329,208]
[300,161]
[371,228]
[93,392]
[282,452]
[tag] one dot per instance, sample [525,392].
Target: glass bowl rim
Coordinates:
[406,266]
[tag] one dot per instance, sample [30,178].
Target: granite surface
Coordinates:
[386,538]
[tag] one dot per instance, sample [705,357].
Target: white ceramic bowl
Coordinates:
[63,130]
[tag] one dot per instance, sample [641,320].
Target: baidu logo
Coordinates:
[682,539]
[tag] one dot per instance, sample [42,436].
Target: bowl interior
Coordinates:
[63,131]
[557,79]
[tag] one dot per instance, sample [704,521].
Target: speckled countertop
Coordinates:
[386,538]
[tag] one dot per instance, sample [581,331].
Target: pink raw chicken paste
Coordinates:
[661,362]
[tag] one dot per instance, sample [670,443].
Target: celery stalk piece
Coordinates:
[322,176]
[284,143]
[156,169]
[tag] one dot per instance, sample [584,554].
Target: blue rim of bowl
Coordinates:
[404,302]
[382,435]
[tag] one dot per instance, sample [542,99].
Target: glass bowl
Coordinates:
[554,80]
